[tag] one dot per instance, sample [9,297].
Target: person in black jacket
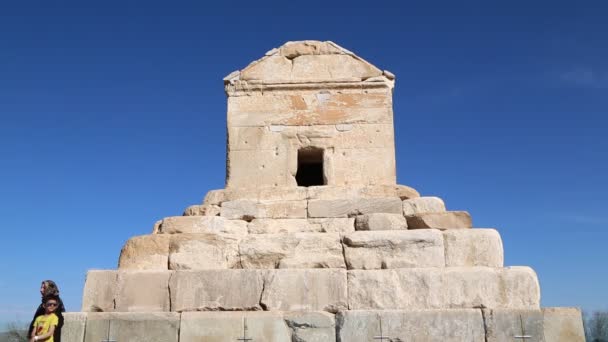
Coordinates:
[48,287]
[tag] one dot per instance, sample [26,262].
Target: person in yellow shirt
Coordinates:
[44,325]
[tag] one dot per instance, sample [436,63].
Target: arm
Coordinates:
[39,311]
[46,336]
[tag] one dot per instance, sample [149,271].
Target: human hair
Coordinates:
[50,288]
[48,297]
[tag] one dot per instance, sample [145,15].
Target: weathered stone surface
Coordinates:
[132,327]
[143,291]
[248,210]
[202,224]
[381,221]
[156,227]
[353,207]
[321,136]
[202,210]
[309,47]
[320,225]
[369,191]
[446,220]
[272,193]
[441,288]
[346,167]
[311,326]
[454,325]
[422,205]
[505,324]
[145,252]
[261,326]
[228,326]
[257,194]
[394,249]
[308,67]
[473,247]
[297,250]
[216,290]
[305,290]
[204,251]
[73,326]
[269,168]
[99,291]
[326,107]
[563,325]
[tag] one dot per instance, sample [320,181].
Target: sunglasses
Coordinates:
[51,304]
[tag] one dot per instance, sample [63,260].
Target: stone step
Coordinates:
[439,288]
[378,249]
[440,220]
[217,197]
[311,225]
[312,289]
[394,249]
[304,290]
[450,325]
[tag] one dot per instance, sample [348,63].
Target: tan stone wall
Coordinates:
[354,127]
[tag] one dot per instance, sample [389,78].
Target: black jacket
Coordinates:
[59,312]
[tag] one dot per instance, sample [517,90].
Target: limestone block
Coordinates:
[320,225]
[352,166]
[453,325]
[99,291]
[271,69]
[394,249]
[327,107]
[258,193]
[309,47]
[405,192]
[368,191]
[268,167]
[520,288]
[311,326]
[473,247]
[145,252]
[321,67]
[215,197]
[156,226]
[305,290]
[204,251]
[442,288]
[202,224]
[563,325]
[353,207]
[225,290]
[423,205]
[248,210]
[132,327]
[202,210]
[506,324]
[380,221]
[228,326]
[143,291]
[321,136]
[446,220]
[73,326]
[296,250]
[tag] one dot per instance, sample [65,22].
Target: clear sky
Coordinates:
[112,116]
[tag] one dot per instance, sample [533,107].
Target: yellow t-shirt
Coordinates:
[43,324]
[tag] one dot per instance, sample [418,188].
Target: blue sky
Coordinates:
[112,116]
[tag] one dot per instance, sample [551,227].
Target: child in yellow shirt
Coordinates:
[44,325]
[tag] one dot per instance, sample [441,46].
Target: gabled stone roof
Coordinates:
[309,61]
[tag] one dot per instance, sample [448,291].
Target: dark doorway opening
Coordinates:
[310,167]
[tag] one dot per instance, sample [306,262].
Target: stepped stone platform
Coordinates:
[312,239]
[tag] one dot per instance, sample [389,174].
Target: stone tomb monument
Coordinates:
[312,239]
